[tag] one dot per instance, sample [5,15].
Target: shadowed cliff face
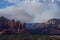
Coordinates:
[11,26]
[50,27]
[16,27]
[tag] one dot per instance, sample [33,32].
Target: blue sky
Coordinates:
[35,11]
[4,4]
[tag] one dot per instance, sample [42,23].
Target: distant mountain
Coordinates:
[3,19]
[50,27]
[12,27]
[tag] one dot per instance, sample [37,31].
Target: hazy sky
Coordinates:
[35,11]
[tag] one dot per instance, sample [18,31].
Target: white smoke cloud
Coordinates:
[31,11]
[12,1]
[15,13]
[51,10]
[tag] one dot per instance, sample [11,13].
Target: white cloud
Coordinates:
[34,12]
[33,9]
[50,11]
[15,13]
[12,1]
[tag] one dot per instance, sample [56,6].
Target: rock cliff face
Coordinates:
[50,27]
[16,27]
[11,26]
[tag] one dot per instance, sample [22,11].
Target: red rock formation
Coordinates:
[18,26]
[11,24]
[58,25]
[23,26]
